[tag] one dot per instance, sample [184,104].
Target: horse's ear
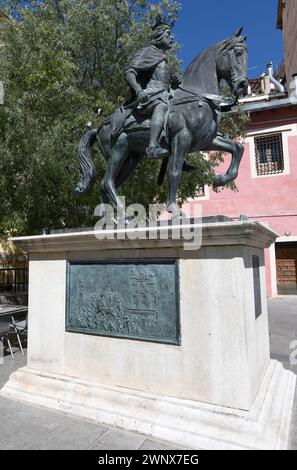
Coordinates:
[244,38]
[238,33]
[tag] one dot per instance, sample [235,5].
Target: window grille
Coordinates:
[200,191]
[269,154]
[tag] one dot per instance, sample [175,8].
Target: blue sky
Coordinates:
[204,22]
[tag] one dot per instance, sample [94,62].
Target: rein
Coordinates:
[234,77]
[197,97]
[215,100]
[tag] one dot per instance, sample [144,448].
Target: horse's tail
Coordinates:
[85,163]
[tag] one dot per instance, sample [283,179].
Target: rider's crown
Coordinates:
[160,24]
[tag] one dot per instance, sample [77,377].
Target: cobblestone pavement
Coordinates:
[25,426]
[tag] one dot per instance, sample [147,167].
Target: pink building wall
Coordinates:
[269,199]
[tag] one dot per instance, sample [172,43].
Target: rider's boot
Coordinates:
[156,152]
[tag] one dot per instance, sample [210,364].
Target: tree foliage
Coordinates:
[62,60]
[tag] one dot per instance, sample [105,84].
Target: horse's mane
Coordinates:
[214,49]
[202,55]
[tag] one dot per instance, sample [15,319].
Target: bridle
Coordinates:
[228,50]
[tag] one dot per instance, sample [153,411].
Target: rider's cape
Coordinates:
[146,59]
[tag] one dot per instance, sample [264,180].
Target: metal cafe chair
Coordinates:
[5,331]
[20,327]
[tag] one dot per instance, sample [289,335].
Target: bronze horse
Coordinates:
[192,126]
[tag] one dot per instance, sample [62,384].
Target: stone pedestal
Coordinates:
[213,386]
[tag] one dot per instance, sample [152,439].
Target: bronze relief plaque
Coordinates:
[124,299]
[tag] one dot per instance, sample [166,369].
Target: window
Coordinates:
[268,150]
[269,154]
[200,191]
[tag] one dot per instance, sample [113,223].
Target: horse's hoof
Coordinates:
[154,153]
[176,218]
[218,181]
[176,212]
[78,189]
[102,213]
[129,219]
[124,220]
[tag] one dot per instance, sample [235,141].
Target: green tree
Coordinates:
[62,60]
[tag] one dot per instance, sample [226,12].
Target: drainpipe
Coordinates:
[277,85]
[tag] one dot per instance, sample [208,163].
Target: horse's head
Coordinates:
[232,63]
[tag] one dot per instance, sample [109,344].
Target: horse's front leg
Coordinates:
[224,144]
[180,147]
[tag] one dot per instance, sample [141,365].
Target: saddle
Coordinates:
[137,122]
[127,118]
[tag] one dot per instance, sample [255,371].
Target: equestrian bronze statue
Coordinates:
[167,117]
